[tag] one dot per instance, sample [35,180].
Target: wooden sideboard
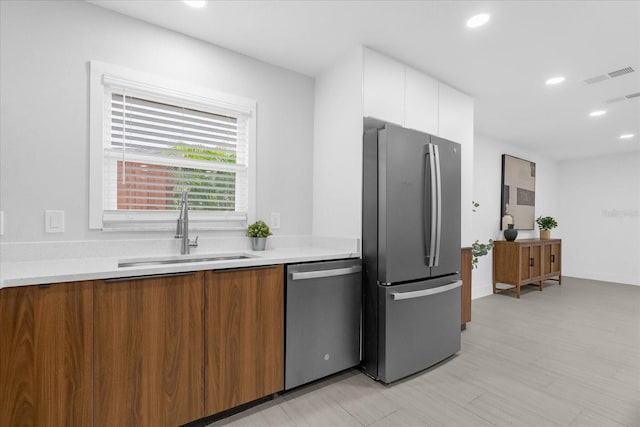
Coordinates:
[526,262]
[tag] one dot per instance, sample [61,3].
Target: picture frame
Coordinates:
[518,193]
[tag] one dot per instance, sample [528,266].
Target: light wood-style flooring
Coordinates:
[566,356]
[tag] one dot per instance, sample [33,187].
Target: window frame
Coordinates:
[105,78]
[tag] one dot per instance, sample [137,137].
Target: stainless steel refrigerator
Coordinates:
[411,250]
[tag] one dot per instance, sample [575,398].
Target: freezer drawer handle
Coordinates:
[326,273]
[417,294]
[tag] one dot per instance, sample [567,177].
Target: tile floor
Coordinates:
[567,356]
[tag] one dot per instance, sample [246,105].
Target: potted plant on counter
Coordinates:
[258,233]
[545,224]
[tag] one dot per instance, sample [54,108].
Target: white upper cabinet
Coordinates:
[383,88]
[399,94]
[421,102]
[455,115]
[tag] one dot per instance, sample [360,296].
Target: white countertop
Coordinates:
[78,269]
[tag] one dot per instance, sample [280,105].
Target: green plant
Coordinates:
[479,249]
[546,222]
[258,229]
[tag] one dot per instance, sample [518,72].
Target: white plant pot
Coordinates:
[258,243]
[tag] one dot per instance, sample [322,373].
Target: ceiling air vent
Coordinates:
[614,100]
[597,79]
[622,98]
[603,77]
[621,72]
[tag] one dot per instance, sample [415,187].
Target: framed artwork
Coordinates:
[518,193]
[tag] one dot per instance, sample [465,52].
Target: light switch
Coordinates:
[275,220]
[54,221]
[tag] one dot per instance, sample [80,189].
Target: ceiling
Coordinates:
[503,65]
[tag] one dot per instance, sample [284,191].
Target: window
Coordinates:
[153,141]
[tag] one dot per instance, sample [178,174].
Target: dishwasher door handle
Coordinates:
[325,273]
[423,293]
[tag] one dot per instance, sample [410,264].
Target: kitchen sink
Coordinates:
[137,262]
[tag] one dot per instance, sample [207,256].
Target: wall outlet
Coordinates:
[54,221]
[275,220]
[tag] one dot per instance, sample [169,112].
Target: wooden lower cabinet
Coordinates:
[155,351]
[526,262]
[244,329]
[46,355]
[149,349]
[465,276]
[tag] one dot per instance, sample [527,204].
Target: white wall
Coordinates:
[337,151]
[44,143]
[487,173]
[456,123]
[600,217]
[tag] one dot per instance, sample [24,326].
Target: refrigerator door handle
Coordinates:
[438,205]
[429,229]
[425,292]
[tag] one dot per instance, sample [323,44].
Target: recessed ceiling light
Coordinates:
[478,20]
[195,3]
[627,136]
[555,80]
[597,113]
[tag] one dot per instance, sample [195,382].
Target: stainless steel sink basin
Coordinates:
[137,262]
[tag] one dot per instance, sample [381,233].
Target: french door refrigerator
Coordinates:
[411,250]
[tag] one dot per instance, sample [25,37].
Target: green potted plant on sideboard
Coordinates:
[258,233]
[545,224]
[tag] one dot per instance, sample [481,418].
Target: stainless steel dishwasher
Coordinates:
[323,315]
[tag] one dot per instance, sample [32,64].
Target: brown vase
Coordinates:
[545,234]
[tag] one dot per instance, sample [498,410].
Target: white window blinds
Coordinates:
[155,149]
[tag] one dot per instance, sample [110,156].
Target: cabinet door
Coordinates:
[149,351]
[421,102]
[530,262]
[46,355]
[383,88]
[552,258]
[245,336]
[526,257]
[536,263]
